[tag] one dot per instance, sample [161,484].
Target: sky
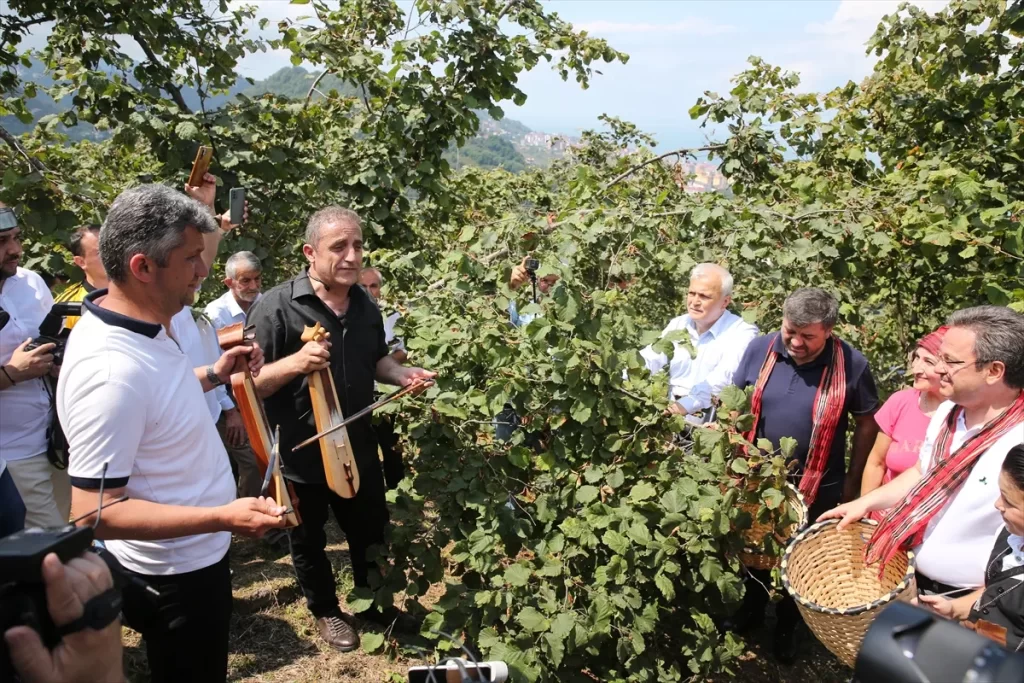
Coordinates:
[678,50]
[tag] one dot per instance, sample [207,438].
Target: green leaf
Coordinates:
[772,498]
[371,642]
[666,586]
[532,620]
[616,541]
[586,494]
[517,575]
[642,491]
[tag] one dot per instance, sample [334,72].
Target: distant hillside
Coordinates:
[504,144]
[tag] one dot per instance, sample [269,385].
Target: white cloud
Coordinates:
[834,51]
[694,26]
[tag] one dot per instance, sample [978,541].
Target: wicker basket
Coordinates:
[752,557]
[837,594]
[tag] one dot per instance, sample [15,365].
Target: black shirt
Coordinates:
[1002,602]
[788,399]
[357,343]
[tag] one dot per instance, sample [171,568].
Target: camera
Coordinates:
[532,265]
[50,330]
[23,594]
[907,643]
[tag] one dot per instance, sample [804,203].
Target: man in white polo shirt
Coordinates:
[944,507]
[25,407]
[133,411]
[718,336]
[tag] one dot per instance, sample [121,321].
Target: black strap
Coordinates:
[100,611]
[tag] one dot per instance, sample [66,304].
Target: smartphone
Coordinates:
[493,672]
[532,265]
[236,199]
[200,166]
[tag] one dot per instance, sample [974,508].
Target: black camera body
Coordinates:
[51,330]
[532,265]
[22,592]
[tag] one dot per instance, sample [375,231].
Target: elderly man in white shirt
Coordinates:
[718,336]
[243,278]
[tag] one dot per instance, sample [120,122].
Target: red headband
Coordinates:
[932,342]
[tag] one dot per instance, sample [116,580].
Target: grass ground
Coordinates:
[274,640]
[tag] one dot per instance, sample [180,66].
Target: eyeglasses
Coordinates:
[954,366]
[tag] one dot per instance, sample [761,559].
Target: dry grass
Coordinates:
[274,640]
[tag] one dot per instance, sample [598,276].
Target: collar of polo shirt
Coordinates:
[716,329]
[142,327]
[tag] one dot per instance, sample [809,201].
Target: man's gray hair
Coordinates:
[328,216]
[810,305]
[998,336]
[149,220]
[243,260]
[724,276]
[376,271]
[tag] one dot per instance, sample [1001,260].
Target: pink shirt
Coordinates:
[902,421]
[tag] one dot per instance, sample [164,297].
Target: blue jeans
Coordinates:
[12,510]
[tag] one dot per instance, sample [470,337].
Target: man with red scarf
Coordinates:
[944,507]
[807,383]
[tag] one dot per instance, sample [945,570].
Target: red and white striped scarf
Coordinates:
[905,524]
[827,410]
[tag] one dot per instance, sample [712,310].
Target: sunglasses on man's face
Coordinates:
[8,219]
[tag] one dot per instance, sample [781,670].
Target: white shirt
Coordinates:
[127,396]
[198,340]
[394,343]
[719,351]
[958,540]
[224,310]
[1014,558]
[25,407]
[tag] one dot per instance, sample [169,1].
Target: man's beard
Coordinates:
[247,297]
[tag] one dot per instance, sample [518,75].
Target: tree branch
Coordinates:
[13,143]
[313,89]
[171,88]
[677,152]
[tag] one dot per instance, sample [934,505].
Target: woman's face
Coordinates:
[1011,504]
[922,368]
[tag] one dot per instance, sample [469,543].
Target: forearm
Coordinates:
[874,473]
[390,371]
[200,374]
[963,605]
[884,497]
[863,441]
[5,380]
[211,242]
[274,376]
[142,520]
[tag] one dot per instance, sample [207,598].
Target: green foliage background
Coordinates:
[603,548]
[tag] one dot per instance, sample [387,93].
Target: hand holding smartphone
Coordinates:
[236,200]
[200,166]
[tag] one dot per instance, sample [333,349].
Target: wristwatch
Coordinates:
[212,376]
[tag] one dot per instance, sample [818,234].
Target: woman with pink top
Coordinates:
[903,419]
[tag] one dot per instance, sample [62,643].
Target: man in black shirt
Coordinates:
[328,293]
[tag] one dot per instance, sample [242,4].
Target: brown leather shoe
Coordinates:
[337,633]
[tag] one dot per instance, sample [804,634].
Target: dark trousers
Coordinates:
[363,519]
[12,509]
[756,598]
[185,631]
